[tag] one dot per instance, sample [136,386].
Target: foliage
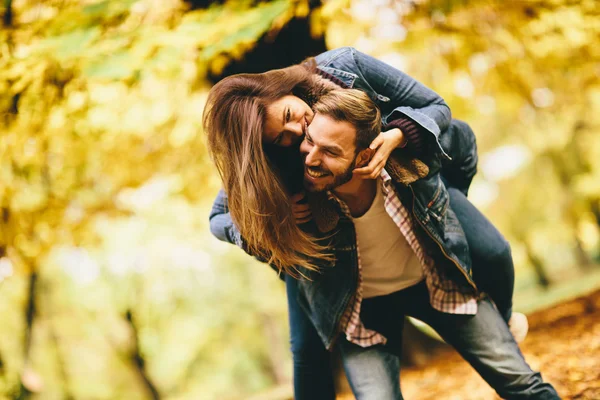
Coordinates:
[107,270]
[525,76]
[105,184]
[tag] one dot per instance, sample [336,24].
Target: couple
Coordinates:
[384,231]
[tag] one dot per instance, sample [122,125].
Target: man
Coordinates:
[401,243]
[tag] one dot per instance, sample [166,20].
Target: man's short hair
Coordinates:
[355,107]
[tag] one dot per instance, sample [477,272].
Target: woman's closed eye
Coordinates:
[288,115]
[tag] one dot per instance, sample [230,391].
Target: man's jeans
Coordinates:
[493,273]
[482,339]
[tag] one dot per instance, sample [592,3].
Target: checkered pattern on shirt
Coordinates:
[444,294]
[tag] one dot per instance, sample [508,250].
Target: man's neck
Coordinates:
[358,194]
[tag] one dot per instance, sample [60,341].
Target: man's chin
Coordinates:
[310,186]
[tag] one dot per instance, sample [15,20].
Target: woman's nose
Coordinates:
[295,128]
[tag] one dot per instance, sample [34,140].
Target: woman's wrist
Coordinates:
[414,135]
[399,138]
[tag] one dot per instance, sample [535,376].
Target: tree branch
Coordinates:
[138,360]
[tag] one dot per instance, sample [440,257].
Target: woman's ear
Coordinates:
[363,157]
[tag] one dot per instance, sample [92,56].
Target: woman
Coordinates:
[254,124]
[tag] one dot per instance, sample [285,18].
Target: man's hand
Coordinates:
[384,144]
[301,211]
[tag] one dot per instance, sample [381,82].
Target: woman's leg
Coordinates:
[313,378]
[493,269]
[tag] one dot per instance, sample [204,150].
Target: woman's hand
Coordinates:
[301,211]
[383,145]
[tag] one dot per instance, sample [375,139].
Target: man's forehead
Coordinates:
[326,130]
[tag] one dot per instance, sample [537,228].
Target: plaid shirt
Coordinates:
[444,294]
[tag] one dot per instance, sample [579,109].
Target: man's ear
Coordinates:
[363,157]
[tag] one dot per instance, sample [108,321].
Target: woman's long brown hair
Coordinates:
[234,119]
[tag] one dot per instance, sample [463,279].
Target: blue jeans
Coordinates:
[483,340]
[313,378]
[493,271]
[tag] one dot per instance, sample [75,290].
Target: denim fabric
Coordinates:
[459,140]
[313,379]
[327,295]
[373,372]
[493,272]
[493,269]
[221,224]
[325,299]
[392,90]
[483,340]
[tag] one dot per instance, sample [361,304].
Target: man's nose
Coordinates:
[312,159]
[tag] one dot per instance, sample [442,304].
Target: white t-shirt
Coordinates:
[387,261]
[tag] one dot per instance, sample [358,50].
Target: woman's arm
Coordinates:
[224,229]
[398,94]
[221,224]
[420,114]
[406,95]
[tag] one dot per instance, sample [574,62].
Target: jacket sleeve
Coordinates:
[221,224]
[409,97]
[402,96]
[223,228]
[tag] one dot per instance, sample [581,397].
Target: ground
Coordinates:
[563,343]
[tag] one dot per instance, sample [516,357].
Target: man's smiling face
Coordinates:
[329,152]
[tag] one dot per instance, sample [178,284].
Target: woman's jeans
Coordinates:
[493,272]
[491,259]
[483,340]
[313,378]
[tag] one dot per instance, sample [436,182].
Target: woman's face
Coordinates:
[287,120]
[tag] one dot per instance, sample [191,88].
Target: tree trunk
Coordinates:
[595,208]
[30,313]
[584,261]
[61,366]
[138,361]
[8,14]
[292,44]
[276,356]
[538,266]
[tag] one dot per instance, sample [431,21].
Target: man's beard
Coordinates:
[338,180]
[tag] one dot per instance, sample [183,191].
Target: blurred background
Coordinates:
[111,286]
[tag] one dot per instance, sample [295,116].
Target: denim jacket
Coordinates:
[327,295]
[392,90]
